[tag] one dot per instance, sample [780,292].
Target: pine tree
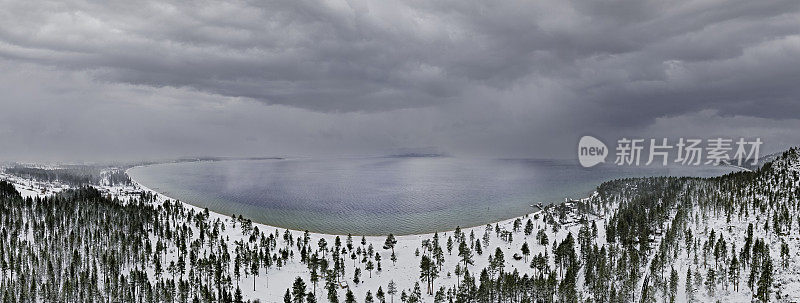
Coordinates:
[254,266]
[711,281]
[689,286]
[733,273]
[368,298]
[440,296]
[390,242]
[428,272]
[349,242]
[299,290]
[765,280]
[526,250]
[380,295]
[465,253]
[314,277]
[673,284]
[369,267]
[333,296]
[784,254]
[529,227]
[237,298]
[416,294]
[323,246]
[541,236]
[438,255]
[349,297]
[391,289]
[449,245]
[357,276]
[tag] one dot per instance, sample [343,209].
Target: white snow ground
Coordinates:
[271,287]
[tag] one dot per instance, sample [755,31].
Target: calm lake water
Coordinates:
[384,195]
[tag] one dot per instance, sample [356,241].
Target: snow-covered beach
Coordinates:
[270,287]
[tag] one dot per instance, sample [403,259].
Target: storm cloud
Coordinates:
[494,78]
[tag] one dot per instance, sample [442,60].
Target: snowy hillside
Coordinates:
[730,239]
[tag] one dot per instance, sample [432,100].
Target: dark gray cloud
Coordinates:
[474,77]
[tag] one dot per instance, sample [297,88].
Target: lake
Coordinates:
[381,195]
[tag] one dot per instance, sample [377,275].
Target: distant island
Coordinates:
[418,155]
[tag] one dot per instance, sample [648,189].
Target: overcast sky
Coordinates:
[91,80]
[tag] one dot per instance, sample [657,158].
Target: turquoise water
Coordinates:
[384,195]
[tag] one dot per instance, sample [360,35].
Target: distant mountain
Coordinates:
[417,155]
[761,161]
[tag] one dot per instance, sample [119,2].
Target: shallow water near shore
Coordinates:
[375,196]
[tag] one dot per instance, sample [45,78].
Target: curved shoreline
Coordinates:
[299,227]
[511,216]
[162,197]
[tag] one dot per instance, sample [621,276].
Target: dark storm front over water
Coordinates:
[384,195]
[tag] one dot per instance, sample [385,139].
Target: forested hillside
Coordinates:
[730,238]
[73,175]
